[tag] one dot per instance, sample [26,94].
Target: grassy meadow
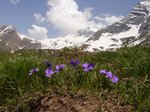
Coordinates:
[130,65]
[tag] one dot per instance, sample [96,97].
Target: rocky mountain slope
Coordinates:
[132,30]
[10,40]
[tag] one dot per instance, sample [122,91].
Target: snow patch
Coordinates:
[24,37]
[106,40]
[74,39]
[7,29]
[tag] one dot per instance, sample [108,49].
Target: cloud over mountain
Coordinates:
[66,16]
[108,19]
[38,32]
[38,17]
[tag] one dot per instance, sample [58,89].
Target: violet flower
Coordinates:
[74,62]
[109,75]
[33,71]
[59,67]
[114,79]
[103,72]
[49,72]
[87,67]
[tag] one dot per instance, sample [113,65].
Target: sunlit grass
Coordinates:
[131,65]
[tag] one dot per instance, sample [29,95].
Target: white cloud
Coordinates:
[38,32]
[108,19]
[38,17]
[87,12]
[66,16]
[14,1]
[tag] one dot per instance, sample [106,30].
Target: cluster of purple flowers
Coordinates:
[49,71]
[109,75]
[74,63]
[86,67]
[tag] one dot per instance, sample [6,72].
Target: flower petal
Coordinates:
[109,75]
[77,62]
[91,66]
[35,70]
[86,69]
[59,67]
[103,72]
[74,62]
[114,79]
[49,71]
[30,73]
[85,65]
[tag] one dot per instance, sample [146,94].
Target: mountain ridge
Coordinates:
[134,29]
[11,40]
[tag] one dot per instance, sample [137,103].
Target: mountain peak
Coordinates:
[86,32]
[145,2]
[6,29]
[131,30]
[141,9]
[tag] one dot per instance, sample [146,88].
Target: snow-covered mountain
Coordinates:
[74,39]
[10,40]
[132,30]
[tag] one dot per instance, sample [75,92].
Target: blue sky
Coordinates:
[51,18]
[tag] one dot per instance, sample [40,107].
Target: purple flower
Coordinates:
[74,62]
[106,73]
[59,67]
[49,72]
[109,75]
[47,63]
[103,72]
[87,67]
[114,79]
[33,71]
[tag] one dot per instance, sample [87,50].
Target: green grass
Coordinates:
[131,65]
